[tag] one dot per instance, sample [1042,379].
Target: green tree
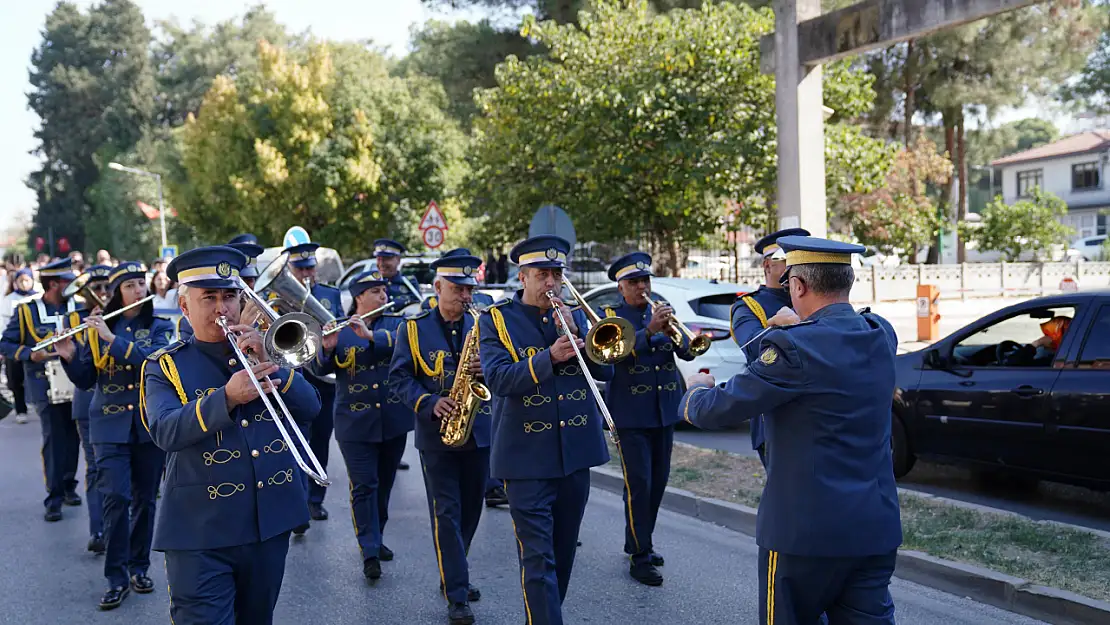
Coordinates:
[92,88]
[1029,224]
[638,124]
[900,214]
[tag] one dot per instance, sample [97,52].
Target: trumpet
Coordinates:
[346,322]
[74,331]
[699,343]
[590,381]
[610,340]
[316,471]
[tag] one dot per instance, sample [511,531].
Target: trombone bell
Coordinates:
[610,340]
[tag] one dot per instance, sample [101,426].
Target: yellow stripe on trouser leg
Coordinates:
[772,566]
[435,535]
[520,546]
[628,500]
[354,524]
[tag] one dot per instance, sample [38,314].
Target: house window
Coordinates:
[1085,176]
[1029,180]
[1101,224]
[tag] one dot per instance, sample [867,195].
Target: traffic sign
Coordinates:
[169,251]
[433,218]
[433,237]
[1069,285]
[550,219]
[295,236]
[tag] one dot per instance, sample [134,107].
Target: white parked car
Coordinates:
[704,307]
[1090,248]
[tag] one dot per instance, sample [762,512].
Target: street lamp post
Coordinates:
[158,179]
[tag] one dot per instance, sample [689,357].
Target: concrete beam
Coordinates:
[876,24]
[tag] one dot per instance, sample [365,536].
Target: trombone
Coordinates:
[590,381]
[346,322]
[699,343]
[74,331]
[609,340]
[316,471]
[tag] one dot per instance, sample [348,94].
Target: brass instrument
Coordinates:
[81,287]
[610,340]
[699,343]
[296,336]
[590,381]
[316,471]
[74,331]
[346,322]
[467,392]
[290,294]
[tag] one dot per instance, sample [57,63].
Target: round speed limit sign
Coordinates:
[433,237]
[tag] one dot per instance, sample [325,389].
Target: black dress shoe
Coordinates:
[460,614]
[142,584]
[646,574]
[496,497]
[385,554]
[114,597]
[96,544]
[317,512]
[403,466]
[372,569]
[656,559]
[300,529]
[53,515]
[72,499]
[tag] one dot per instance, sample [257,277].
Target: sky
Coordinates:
[387,22]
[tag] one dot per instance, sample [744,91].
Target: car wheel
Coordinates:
[900,448]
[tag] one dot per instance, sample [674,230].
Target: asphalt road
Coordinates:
[48,578]
[1045,501]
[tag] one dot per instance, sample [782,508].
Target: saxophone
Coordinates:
[467,392]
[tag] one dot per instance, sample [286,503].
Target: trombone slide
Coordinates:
[590,381]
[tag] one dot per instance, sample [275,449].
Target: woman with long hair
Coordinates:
[129,462]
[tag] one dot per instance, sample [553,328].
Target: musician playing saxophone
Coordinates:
[371,423]
[130,464]
[425,364]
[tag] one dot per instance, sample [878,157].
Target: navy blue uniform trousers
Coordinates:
[546,517]
[456,485]
[646,461]
[319,436]
[229,586]
[371,469]
[61,449]
[797,590]
[129,477]
[93,499]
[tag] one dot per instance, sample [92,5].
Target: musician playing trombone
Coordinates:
[35,321]
[109,358]
[371,423]
[643,398]
[248,245]
[423,371]
[233,491]
[547,432]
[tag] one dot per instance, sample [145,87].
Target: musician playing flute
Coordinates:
[233,493]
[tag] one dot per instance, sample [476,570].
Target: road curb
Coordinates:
[1017,595]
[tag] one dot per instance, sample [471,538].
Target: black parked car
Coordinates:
[999,394]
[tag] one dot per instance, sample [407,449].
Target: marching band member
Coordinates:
[495,493]
[388,252]
[129,463]
[643,399]
[423,373]
[547,432]
[829,527]
[232,495]
[371,423]
[749,314]
[82,400]
[248,245]
[35,321]
[302,264]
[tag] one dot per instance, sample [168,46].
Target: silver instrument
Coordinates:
[315,471]
[60,388]
[292,339]
[590,381]
[74,331]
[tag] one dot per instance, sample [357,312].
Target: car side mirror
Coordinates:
[935,360]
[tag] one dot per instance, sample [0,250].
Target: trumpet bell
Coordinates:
[700,344]
[293,340]
[610,340]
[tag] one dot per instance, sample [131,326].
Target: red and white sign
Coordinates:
[1069,285]
[433,237]
[433,218]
